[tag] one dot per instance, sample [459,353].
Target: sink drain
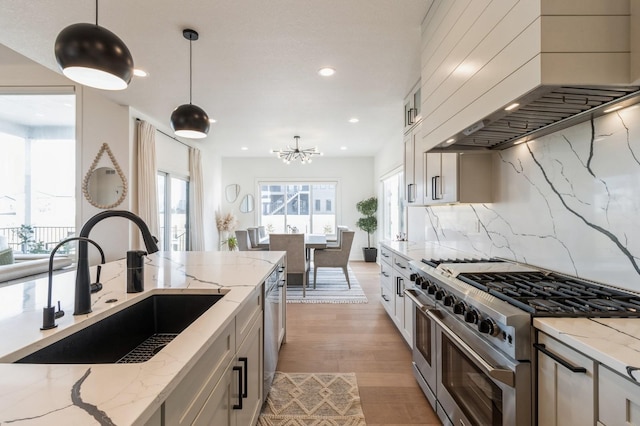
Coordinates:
[147,349]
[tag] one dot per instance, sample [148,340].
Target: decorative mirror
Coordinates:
[231,192]
[104,187]
[246,205]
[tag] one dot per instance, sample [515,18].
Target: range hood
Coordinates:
[543,110]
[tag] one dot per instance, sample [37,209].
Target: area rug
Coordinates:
[331,287]
[306,399]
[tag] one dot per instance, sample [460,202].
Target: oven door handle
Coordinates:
[413,295]
[500,374]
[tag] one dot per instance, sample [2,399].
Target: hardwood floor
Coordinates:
[358,338]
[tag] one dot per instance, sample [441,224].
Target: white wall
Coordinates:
[355,177]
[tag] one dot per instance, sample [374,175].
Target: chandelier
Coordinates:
[297,153]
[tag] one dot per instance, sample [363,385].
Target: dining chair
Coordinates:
[334,257]
[338,241]
[244,243]
[297,262]
[253,236]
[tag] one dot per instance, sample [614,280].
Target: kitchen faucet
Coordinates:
[49,314]
[83,280]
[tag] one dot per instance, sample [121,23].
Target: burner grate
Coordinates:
[147,349]
[555,295]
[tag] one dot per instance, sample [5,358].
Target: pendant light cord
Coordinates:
[190,69]
[96,13]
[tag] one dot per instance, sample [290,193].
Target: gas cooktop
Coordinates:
[550,294]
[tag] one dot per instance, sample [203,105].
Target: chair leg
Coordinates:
[346,275]
[304,285]
[315,272]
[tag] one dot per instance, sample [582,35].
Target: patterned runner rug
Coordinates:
[331,287]
[306,399]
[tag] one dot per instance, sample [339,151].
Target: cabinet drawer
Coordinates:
[385,255]
[387,299]
[247,315]
[386,272]
[184,403]
[401,264]
[618,399]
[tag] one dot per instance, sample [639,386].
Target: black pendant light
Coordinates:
[94,56]
[188,120]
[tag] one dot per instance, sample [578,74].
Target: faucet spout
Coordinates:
[82,303]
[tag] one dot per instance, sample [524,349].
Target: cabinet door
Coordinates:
[409,174]
[218,409]
[249,358]
[441,178]
[407,330]
[448,182]
[565,397]
[386,288]
[618,399]
[282,320]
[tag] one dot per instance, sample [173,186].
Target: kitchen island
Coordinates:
[120,394]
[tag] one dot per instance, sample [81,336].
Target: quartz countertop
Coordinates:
[121,394]
[614,342]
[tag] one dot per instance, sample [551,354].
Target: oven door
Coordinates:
[424,344]
[478,385]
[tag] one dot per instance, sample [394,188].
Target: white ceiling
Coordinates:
[255,65]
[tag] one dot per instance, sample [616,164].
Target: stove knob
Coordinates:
[460,308]
[432,288]
[440,294]
[471,316]
[419,281]
[449,300]
[489,326]
[413,276]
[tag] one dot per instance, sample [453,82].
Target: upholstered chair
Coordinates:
[338,241]
[297,262]
[244,243]
[334,257]
[253,236]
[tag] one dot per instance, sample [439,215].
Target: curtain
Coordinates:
[196,201]
[147,169]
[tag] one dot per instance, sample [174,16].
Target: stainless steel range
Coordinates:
[473,335]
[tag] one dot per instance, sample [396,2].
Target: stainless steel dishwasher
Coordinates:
[272,321]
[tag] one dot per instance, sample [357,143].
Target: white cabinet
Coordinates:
[566,386]
[394,278]
[225,385]
[457,178]
[412,107]
[618,399]
[414,166]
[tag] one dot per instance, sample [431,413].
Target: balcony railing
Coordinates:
[42,240]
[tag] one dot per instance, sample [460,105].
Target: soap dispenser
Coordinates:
[135,271]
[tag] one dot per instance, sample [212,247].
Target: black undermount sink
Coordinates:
[134,334]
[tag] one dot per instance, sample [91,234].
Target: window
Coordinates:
[37,169]
[173,205]
[393,206]
[285,206]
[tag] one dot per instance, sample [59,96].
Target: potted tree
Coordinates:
[369,224]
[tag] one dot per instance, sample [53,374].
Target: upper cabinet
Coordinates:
[412,107]
[457,178]
[414,166]
[479,57]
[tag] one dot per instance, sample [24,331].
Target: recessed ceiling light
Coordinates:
[343,148]
[615,108]
[450,141]
[140,73]
[213,120]
[244,148]
[512,106]
[353,120]
[326,71]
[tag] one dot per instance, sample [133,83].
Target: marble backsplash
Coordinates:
[569,201]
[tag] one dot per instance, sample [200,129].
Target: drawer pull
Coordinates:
[574,369]
[385,274]
[399,265]
[245,386]
[238,406]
